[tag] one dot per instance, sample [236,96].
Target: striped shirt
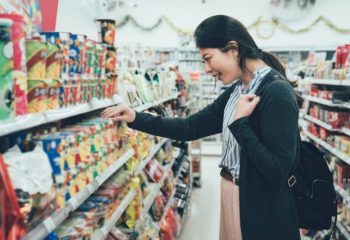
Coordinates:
[230,147]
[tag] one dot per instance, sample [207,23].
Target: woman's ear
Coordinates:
[234,48]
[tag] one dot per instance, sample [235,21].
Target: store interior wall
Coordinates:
[75,16]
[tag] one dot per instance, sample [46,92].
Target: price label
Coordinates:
[74,203]
[90,188]
[99,180]
[104,231]
[49,224]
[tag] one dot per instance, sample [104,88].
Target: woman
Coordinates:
[258,117]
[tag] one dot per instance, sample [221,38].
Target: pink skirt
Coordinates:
[230,225]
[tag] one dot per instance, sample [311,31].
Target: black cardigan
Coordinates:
[269,141]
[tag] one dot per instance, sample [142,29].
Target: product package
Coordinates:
[107,31]
[19,66]
[34,186]
[6,66]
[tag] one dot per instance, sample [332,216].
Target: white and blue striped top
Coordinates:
[230,147]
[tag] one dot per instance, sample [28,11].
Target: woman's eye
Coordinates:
[206,59]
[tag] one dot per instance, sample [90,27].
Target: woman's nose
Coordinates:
[207,68]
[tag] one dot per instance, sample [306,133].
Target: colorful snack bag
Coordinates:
[53,62]
[62,39]
[36,59]
[38,92]
[111,60]
[6,68]
[19,63]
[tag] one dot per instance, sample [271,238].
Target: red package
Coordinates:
[339,53]
[324,134]
[13,225]
[154,170]
[343,173]
[167,232]
[345,56]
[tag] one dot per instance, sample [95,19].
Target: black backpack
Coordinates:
[312,186]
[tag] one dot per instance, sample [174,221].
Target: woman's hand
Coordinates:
[121,112]
[245,106]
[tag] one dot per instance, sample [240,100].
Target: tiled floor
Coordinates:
[202,222]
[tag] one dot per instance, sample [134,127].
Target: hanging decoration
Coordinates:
[264,28]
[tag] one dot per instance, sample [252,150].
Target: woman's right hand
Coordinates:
[121,112]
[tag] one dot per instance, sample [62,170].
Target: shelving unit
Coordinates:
[332,82]
[343,230]
[57,218]
[148,201]
[305,119]
[36,119]
[327,126]
[329,148]
[101,233]
[156,103]
[154,150]
[326,102]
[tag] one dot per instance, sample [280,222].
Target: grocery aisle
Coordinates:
[202,222]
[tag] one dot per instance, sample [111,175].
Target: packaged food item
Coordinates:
[36,59]
[62,39]
[80,43]
[107,31]
[154,170]
[38,91]
[6,66]
[12,223]
[53,94]
[34,186]
[53,62]
[19,60]
[90,49]
[100,59]
[133,211]
[111,60]
[74,54]
[32,16]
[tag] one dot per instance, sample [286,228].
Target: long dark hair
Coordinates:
[217,31]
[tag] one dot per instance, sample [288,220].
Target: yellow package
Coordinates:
[133,212]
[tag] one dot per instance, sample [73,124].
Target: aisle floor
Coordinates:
[202,222]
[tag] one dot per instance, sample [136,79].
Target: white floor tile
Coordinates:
[203,216]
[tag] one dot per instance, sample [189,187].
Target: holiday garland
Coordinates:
[256,23]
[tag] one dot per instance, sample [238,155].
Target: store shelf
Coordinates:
[346,131]
[156,103]
[343,231]
[103,232]
[333,82]
[57,218]
[36,119]
[168,205]
[147,203]
[326,102]
[329,148]
[195,152]
[320,123]
[153,152]
[341,191]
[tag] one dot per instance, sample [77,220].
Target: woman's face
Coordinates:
[223,65]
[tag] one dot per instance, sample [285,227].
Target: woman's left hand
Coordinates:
[245,106]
